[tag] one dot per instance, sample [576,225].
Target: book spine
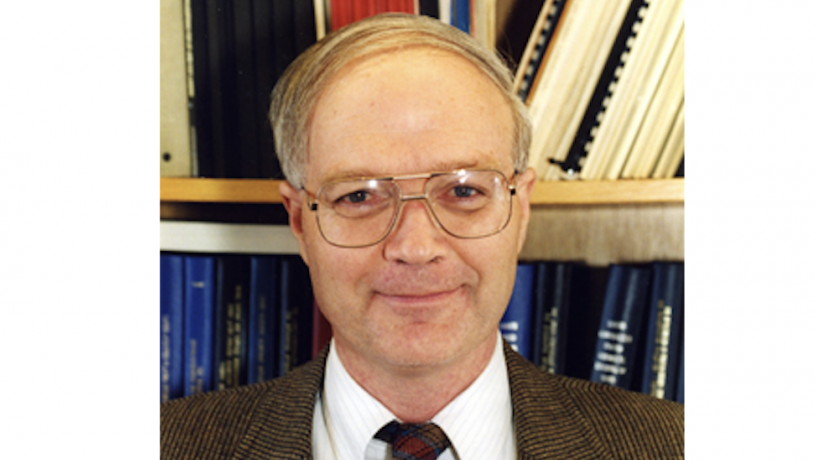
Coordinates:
[247,125]
[550,18]
[517,323]
[559,317]
[460,15]
[619,330]
[199,307]
[172,326]
[262,323]
[229,347]
[663,334]
[540,337]
[202,123]
[681,374]
[297,302]
[429,8]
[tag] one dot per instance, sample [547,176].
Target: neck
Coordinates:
[416,393]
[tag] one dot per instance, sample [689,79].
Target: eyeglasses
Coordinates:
[362,212]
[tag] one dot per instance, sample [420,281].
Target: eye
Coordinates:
[463,191]
[357,197]
[360,201]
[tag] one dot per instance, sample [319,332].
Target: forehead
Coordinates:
[406,112]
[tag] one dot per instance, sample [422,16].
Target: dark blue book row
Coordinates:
[231,320]
[621,325]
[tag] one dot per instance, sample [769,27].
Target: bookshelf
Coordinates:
[598,222]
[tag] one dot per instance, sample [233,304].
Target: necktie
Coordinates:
[414,442]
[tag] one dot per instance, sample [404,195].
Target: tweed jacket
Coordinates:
[556,417]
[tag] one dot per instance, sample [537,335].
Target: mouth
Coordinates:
[419,299]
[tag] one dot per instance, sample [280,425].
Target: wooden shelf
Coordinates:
[194,190]
[651,191]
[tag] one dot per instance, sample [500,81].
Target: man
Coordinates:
[408,191]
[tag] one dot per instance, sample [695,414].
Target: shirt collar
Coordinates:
[480,413]
[479,422]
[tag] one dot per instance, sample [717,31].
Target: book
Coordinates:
[230,321]
[586,300]
[429,8]
[537,45]
[671,158]
[172,326]
[681,375]
[554,290]
[174,127]
[483,22]
[296,304]
[345,12]
[664,331]
[619,332]
[446,11]
[245,159]
[516,325]
[540,290]
[199,309]
[460,15]
[264,287]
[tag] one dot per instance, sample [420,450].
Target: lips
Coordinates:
[419,298]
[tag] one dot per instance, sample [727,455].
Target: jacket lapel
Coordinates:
[548,425]
[282,424]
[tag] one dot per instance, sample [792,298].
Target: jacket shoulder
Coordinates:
[234,422]
[614,422]
[632,422]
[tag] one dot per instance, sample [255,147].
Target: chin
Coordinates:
[415,347]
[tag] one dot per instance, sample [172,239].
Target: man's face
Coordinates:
[421,297]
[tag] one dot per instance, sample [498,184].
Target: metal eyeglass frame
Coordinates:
[313,202]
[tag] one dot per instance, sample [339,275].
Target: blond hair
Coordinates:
[297,91]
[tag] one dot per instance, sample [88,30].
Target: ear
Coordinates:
[293,202]
[525,181]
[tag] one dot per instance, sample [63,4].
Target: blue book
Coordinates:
[664,332]
[554,290]
[460,15]
[541,289]
[199,308]
[681,377]
[517,324]
[172,326]
[295,320]
[619,330]
[231,313]
[264,287]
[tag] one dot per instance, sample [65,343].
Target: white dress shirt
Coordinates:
[478,422]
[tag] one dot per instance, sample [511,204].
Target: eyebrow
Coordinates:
[441,166]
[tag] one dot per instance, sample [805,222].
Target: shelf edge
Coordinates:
[545,193]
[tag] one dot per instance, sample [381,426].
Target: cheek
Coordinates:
[336,278]
[495,260]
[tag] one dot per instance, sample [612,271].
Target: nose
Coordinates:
[416,238]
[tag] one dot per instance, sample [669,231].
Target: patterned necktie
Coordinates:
[414,442]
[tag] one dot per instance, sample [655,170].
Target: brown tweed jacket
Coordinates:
[556,418]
